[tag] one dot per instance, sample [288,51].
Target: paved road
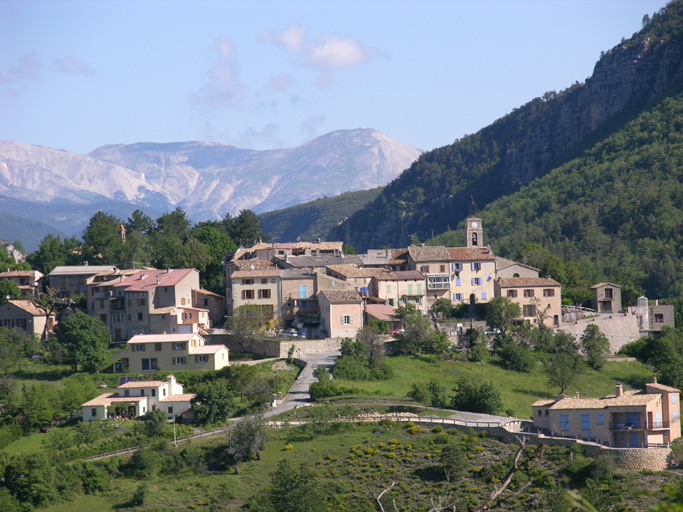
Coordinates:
[298,394]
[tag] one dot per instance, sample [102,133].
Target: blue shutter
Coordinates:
[585,422]
[457,281]
[601,420]
[473,267]
[564,422]
[455,296]
[474,281]
[453,267]
[483,295]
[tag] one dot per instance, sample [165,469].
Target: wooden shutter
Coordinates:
[173,361]
[144,347]
[196,359]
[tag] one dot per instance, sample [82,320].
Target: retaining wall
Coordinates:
[620,328]
[276,347]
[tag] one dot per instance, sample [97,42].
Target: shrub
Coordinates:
[476,396]
[140,495]
[516,357]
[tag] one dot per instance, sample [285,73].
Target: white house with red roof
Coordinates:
[135,399]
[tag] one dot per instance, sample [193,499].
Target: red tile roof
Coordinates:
[516,282]
[143,281]
[470,254]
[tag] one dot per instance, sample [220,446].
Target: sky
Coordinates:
[77,75]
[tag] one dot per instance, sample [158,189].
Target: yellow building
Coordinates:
[185,351]
[473,270]
[538,298]
[627,419]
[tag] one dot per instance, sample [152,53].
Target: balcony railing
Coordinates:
[650,425]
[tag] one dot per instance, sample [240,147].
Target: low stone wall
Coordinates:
[630,459]
[276,347]
[620,328]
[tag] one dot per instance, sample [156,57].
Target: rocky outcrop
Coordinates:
[525,144]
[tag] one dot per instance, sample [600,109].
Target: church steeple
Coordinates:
[474,232]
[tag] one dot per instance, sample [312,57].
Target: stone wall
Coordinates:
[630,459]
[276,347]
[620,328]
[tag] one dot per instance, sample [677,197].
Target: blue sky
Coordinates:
[266,74]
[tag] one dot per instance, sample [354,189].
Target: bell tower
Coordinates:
[474,232]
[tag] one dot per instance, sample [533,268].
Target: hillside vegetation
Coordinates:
[540,136]
[314,219]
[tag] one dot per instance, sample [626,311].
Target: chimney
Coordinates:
[422,244]
[619,390]
[158,279]
[654,379]
[577,394]
[656,302]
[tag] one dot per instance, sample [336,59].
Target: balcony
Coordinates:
[650,425]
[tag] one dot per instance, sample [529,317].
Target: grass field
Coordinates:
[518,390]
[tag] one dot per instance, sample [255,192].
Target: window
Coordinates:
[601,420]
[564,422]
[303,291]
[512,294]
[264,281]
[149,364]
[206,302]
[585,422]
[179,360]
[247,281]
[476,266]
[659,318]
[264,294]
[200,359]
[424,269]
[455,267]
[154,392]
[548,292]
[540,413]
[546,412]
[247,294]
[139,316]
[438,283]
[476,281]
[419,289]
[410,289]
[528,293]
[674,416]
[170,410]
[92,306]
[388,288]
[529,310]
[483,295]
[138,347]
[609,294]
[458,297]
[142,302]
[674,398]
[347,320]
[182,301]
[179,346]
[658,419]
[93,412]
[442,268]
[126,392]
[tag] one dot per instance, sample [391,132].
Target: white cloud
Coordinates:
[335,52]
[309,127]
[223,89]
[280,82]
[72,66]
[330,52]
[293,39]
[15,81]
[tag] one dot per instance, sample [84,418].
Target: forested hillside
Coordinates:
[527,143]
[314,219]
[616,211]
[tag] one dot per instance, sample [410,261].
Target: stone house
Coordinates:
[607,298]
[341,313]
[211,302]
[151,352]
[651,319]
[25,315]
[435,264]
[537,297]
[257,288]
[506,268]
[135,399]
[28,281]
[71,280]
[627,419]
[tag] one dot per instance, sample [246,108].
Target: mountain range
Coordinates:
[206,179]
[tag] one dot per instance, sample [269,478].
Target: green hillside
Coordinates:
[314,219]
[30,232]
[433,194]
[617,210]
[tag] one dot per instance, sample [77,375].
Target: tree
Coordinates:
[475,395]
[139,222]
[500,313]
[174,224]
[595,346]
[218,243]
[155,423]
[247,439]
[516,357]
[418,336]
[454,461]
[213,402]
[431,394]
[563,369]
[293,490]
[245,229]
[9,290]
[442,307]
[100,238]
[86,339]
[52,253]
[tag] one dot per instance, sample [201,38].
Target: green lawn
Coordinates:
[518,390]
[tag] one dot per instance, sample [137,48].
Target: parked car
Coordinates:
[292,333]
[396,331]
